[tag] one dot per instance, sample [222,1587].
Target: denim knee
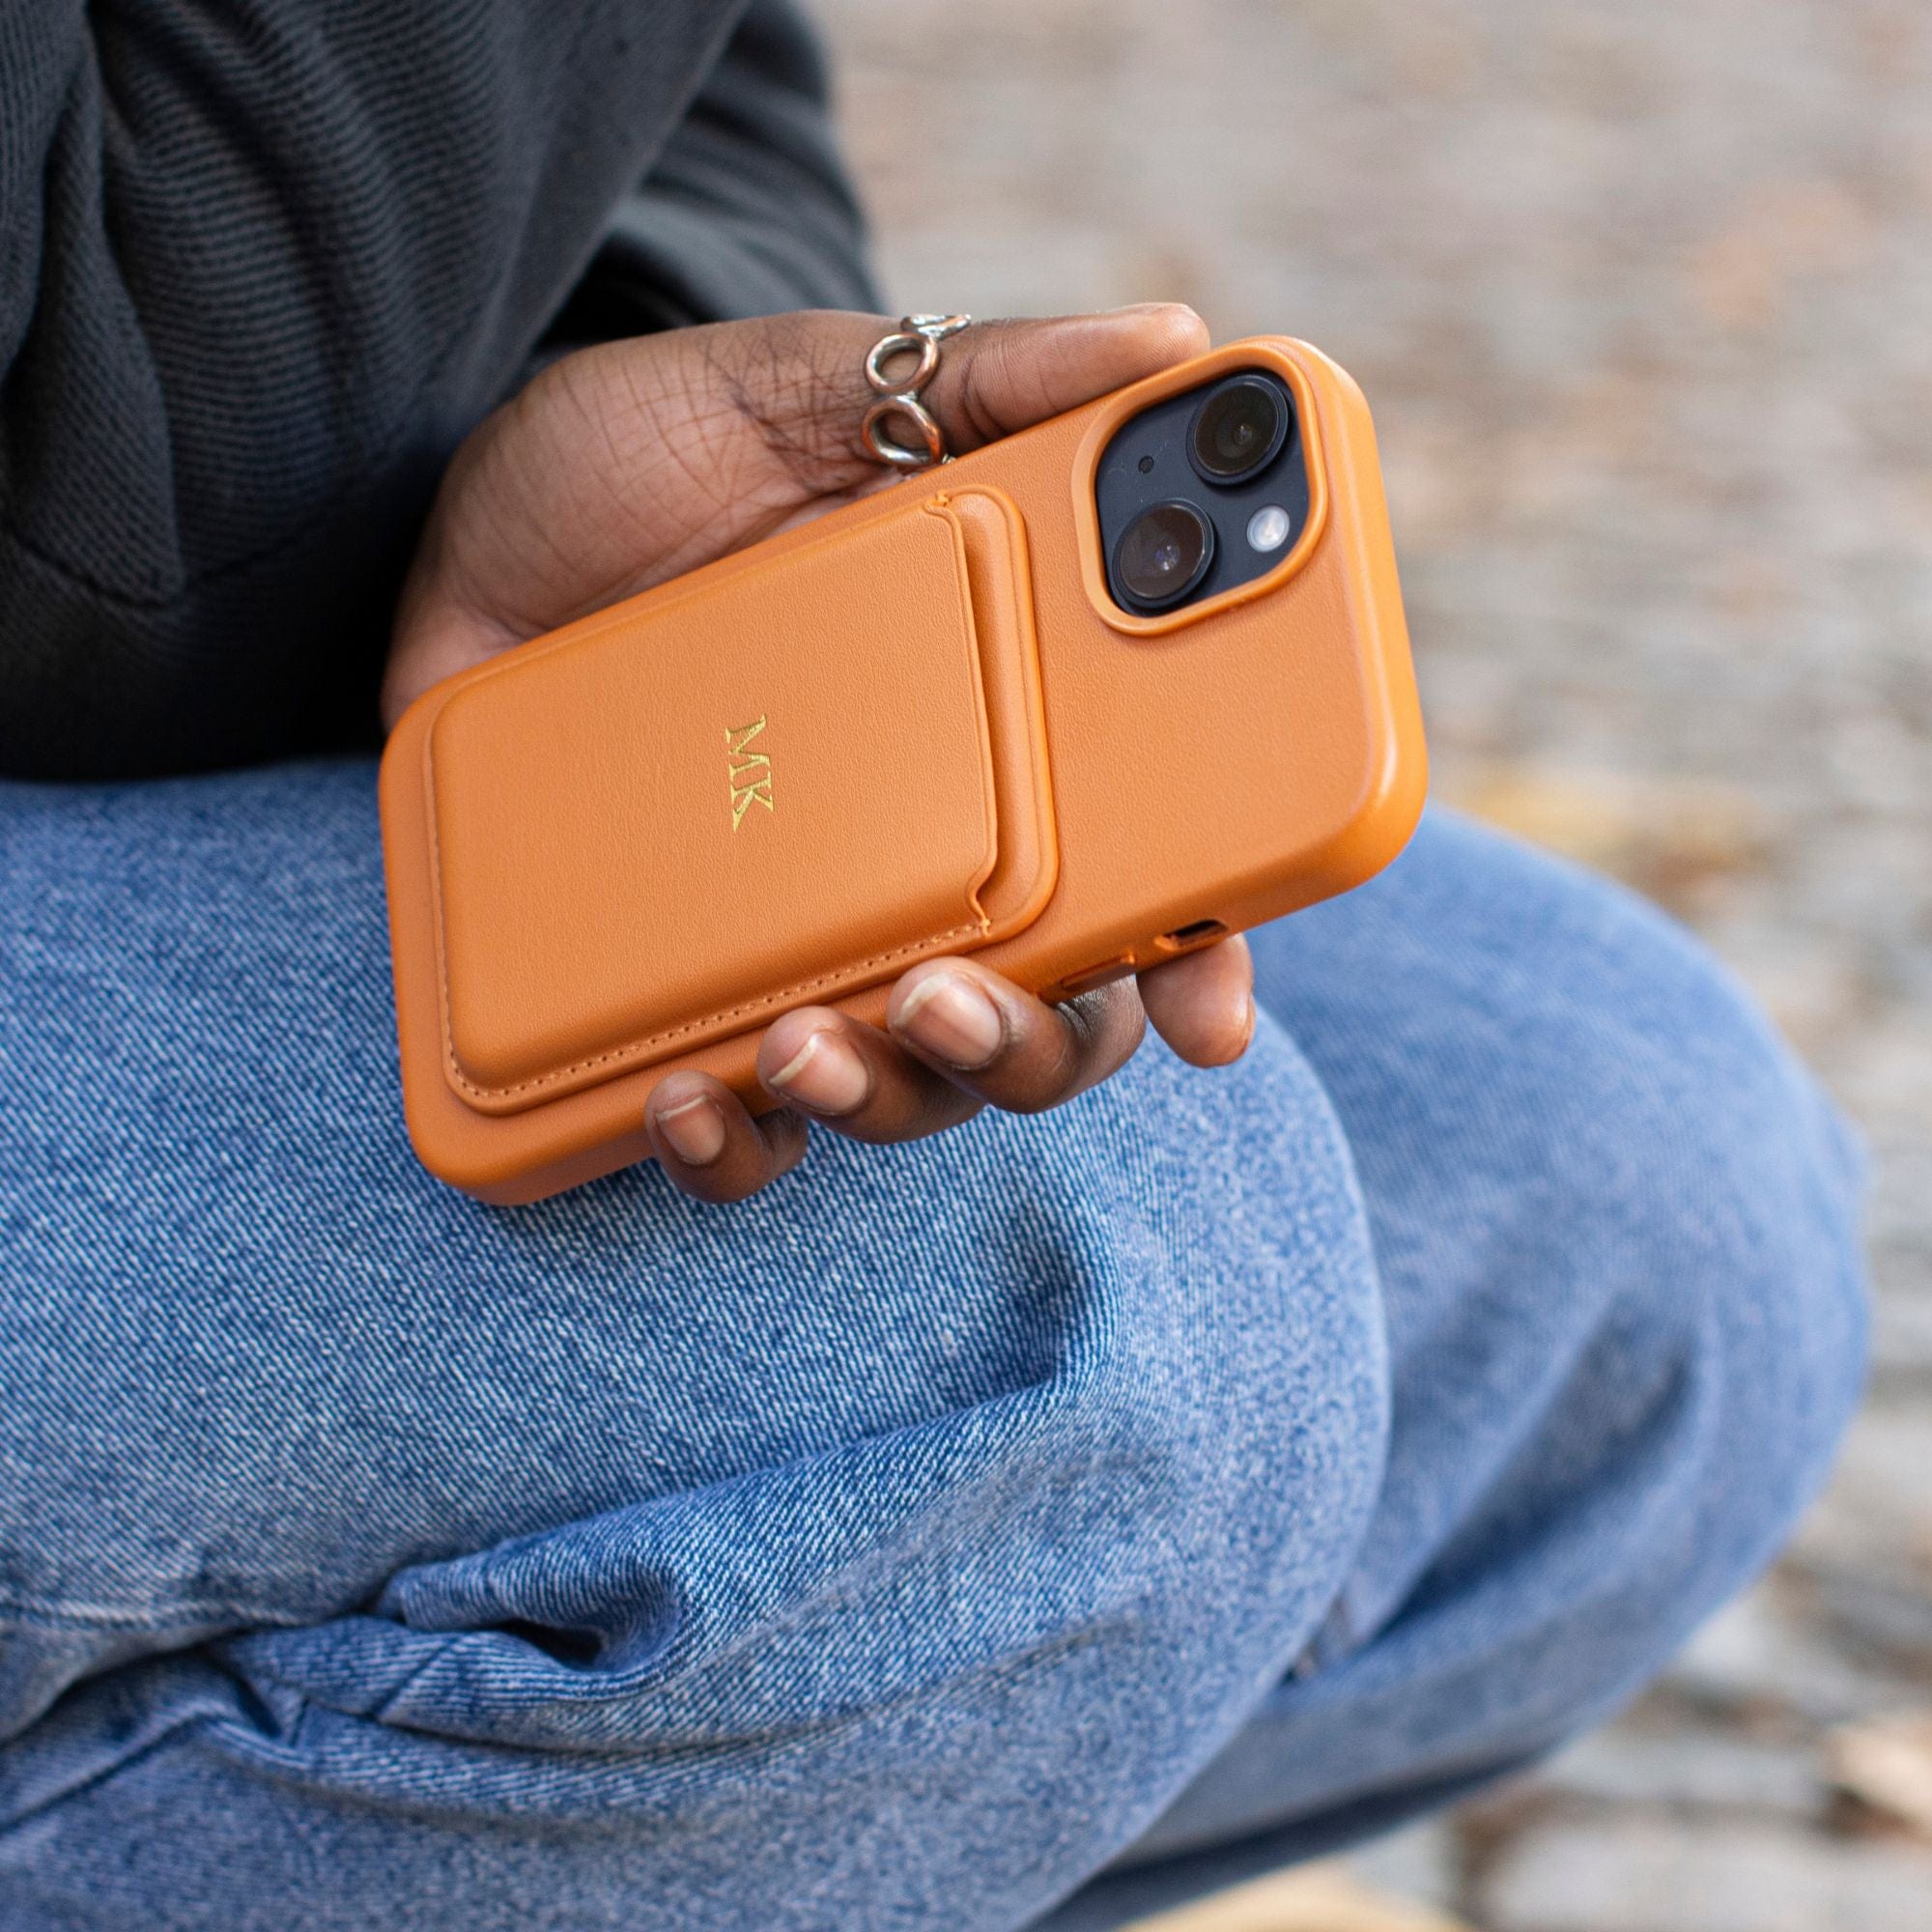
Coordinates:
[1616,1224]
[1661,1247]
[1721,1188]
[1617,1220]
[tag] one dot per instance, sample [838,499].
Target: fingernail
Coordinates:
[825,1074]
[695,1129]
[1247,1023]
[948,1016]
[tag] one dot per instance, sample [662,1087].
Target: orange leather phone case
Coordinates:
[919,725]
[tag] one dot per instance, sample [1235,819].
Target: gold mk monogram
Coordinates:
[751,771]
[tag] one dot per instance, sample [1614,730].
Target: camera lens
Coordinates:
[1163,554]
[1239,429]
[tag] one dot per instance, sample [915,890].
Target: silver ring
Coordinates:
[917,335]
[897,343]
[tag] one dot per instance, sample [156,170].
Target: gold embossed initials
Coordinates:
[751,771]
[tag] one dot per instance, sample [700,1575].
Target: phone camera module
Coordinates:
[1163,554]
[1201,492]
[1239,429]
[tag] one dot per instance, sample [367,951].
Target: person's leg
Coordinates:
[1616,1230]
[889,1552]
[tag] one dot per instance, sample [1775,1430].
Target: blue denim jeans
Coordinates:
[1031,1525]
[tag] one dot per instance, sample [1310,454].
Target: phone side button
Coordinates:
[1090,977]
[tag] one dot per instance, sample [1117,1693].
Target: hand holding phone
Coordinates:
[628,465]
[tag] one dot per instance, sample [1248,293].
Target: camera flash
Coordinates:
[1267,527]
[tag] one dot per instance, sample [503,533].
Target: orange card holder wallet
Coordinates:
[751,790]
[919,726]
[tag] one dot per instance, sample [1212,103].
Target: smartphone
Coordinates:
[1089,698]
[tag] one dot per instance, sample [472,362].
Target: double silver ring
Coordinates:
[919,336]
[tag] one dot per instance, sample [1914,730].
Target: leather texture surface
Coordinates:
[970,746]
[705,828]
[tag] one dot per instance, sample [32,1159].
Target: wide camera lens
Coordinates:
[1238,429]
[1163,554]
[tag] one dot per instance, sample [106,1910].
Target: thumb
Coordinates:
[998,376]
[993,377]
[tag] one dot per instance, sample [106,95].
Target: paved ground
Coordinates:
[1643,299]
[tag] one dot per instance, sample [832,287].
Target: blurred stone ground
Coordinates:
[1643,296]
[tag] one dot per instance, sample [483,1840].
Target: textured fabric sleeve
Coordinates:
[748,211]
[264,262]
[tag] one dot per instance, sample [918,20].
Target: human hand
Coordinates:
[627,465]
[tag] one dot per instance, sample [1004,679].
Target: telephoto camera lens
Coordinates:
[1240,430]
[1163,554]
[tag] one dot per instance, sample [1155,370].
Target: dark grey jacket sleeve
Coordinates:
[262,262]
